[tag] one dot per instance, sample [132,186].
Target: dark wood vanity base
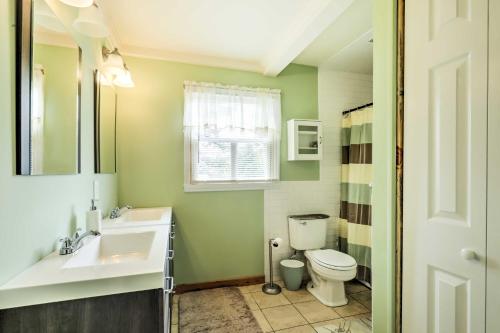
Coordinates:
[140,311]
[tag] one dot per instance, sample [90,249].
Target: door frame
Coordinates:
[398,251]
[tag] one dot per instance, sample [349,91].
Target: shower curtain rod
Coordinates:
[358,108]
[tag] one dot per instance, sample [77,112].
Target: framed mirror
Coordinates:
[48,93]
[105,99]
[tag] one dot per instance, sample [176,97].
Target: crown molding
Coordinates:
[188,58]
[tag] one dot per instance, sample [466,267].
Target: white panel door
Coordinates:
[444,237]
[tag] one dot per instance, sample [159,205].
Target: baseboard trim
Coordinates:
[245,281]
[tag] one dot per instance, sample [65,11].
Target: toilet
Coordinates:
[329,269]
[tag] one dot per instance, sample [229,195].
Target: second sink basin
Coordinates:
[113,249]
[139,217]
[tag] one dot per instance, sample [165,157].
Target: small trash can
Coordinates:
[292,271]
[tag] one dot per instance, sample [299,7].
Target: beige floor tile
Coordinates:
[315,311]
[282,317]
[353,323]
[299,329]
[366,318]
[298,296]
[250,302]
[175,329]
[250,289]
[352,308]
[364,297]
[268,301]
[176,299]
[175,314]
[263,323]
[352,287]
[327,326]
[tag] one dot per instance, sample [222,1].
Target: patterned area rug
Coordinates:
[221,310]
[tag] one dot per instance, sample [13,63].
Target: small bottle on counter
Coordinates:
[94,218]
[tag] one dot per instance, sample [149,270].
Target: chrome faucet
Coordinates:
[73,244]
[117,212]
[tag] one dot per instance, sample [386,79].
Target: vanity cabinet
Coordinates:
[305,140]
[140,311]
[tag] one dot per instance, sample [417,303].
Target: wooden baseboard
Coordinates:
[245,281]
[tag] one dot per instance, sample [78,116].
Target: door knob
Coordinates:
[468,254]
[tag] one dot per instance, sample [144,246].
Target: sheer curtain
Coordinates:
[215,109]
[37,117]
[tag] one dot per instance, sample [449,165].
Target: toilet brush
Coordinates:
[272,288]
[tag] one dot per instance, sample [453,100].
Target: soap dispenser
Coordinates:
[94,218]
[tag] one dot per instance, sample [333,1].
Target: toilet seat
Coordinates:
[331,259]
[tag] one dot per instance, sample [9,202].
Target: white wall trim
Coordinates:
[233,186]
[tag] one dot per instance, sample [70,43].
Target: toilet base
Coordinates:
[330,293]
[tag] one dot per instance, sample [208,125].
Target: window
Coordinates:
[232,136]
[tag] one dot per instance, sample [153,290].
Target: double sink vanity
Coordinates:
[121,279]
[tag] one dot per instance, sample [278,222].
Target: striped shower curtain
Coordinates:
[355,208]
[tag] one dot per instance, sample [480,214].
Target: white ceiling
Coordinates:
[345,45]
[257,35]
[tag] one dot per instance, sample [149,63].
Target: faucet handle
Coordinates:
[65,246]
[77,233]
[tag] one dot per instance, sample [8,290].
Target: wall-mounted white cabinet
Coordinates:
[304,140]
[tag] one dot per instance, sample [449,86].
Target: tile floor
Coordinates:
[299,312]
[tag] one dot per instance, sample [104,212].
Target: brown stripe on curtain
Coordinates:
[357,154]
[356,213]
[364,274]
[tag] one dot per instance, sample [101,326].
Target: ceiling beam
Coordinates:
[302,34]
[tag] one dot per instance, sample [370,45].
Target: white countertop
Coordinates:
[49,281]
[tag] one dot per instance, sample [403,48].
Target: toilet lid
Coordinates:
[332,258]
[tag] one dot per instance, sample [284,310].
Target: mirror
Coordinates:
[105,125]
[48,93]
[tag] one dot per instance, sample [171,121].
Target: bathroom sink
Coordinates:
[139,217]
[110,249]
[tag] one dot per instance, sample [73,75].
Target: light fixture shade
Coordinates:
[124,80]
[44,17]
[104,80]
[90,22]
[78,3]
[113,66]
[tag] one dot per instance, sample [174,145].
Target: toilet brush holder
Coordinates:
[272,288]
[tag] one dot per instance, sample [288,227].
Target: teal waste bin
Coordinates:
[292,272]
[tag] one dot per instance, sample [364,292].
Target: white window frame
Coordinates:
[206,186]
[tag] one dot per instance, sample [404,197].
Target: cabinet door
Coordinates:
[305,139]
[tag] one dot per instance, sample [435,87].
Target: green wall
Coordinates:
[36,210]
[220,234]
[384,148]
[60,65]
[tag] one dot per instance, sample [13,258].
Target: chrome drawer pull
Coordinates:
[171,254]
[172,234]
[169,284]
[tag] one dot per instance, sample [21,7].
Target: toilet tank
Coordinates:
[307,232]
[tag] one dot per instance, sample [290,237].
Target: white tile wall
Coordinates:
[337,91]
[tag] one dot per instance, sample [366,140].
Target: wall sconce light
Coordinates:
[90,22]
[115,69]
[124,80]
[78,3]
